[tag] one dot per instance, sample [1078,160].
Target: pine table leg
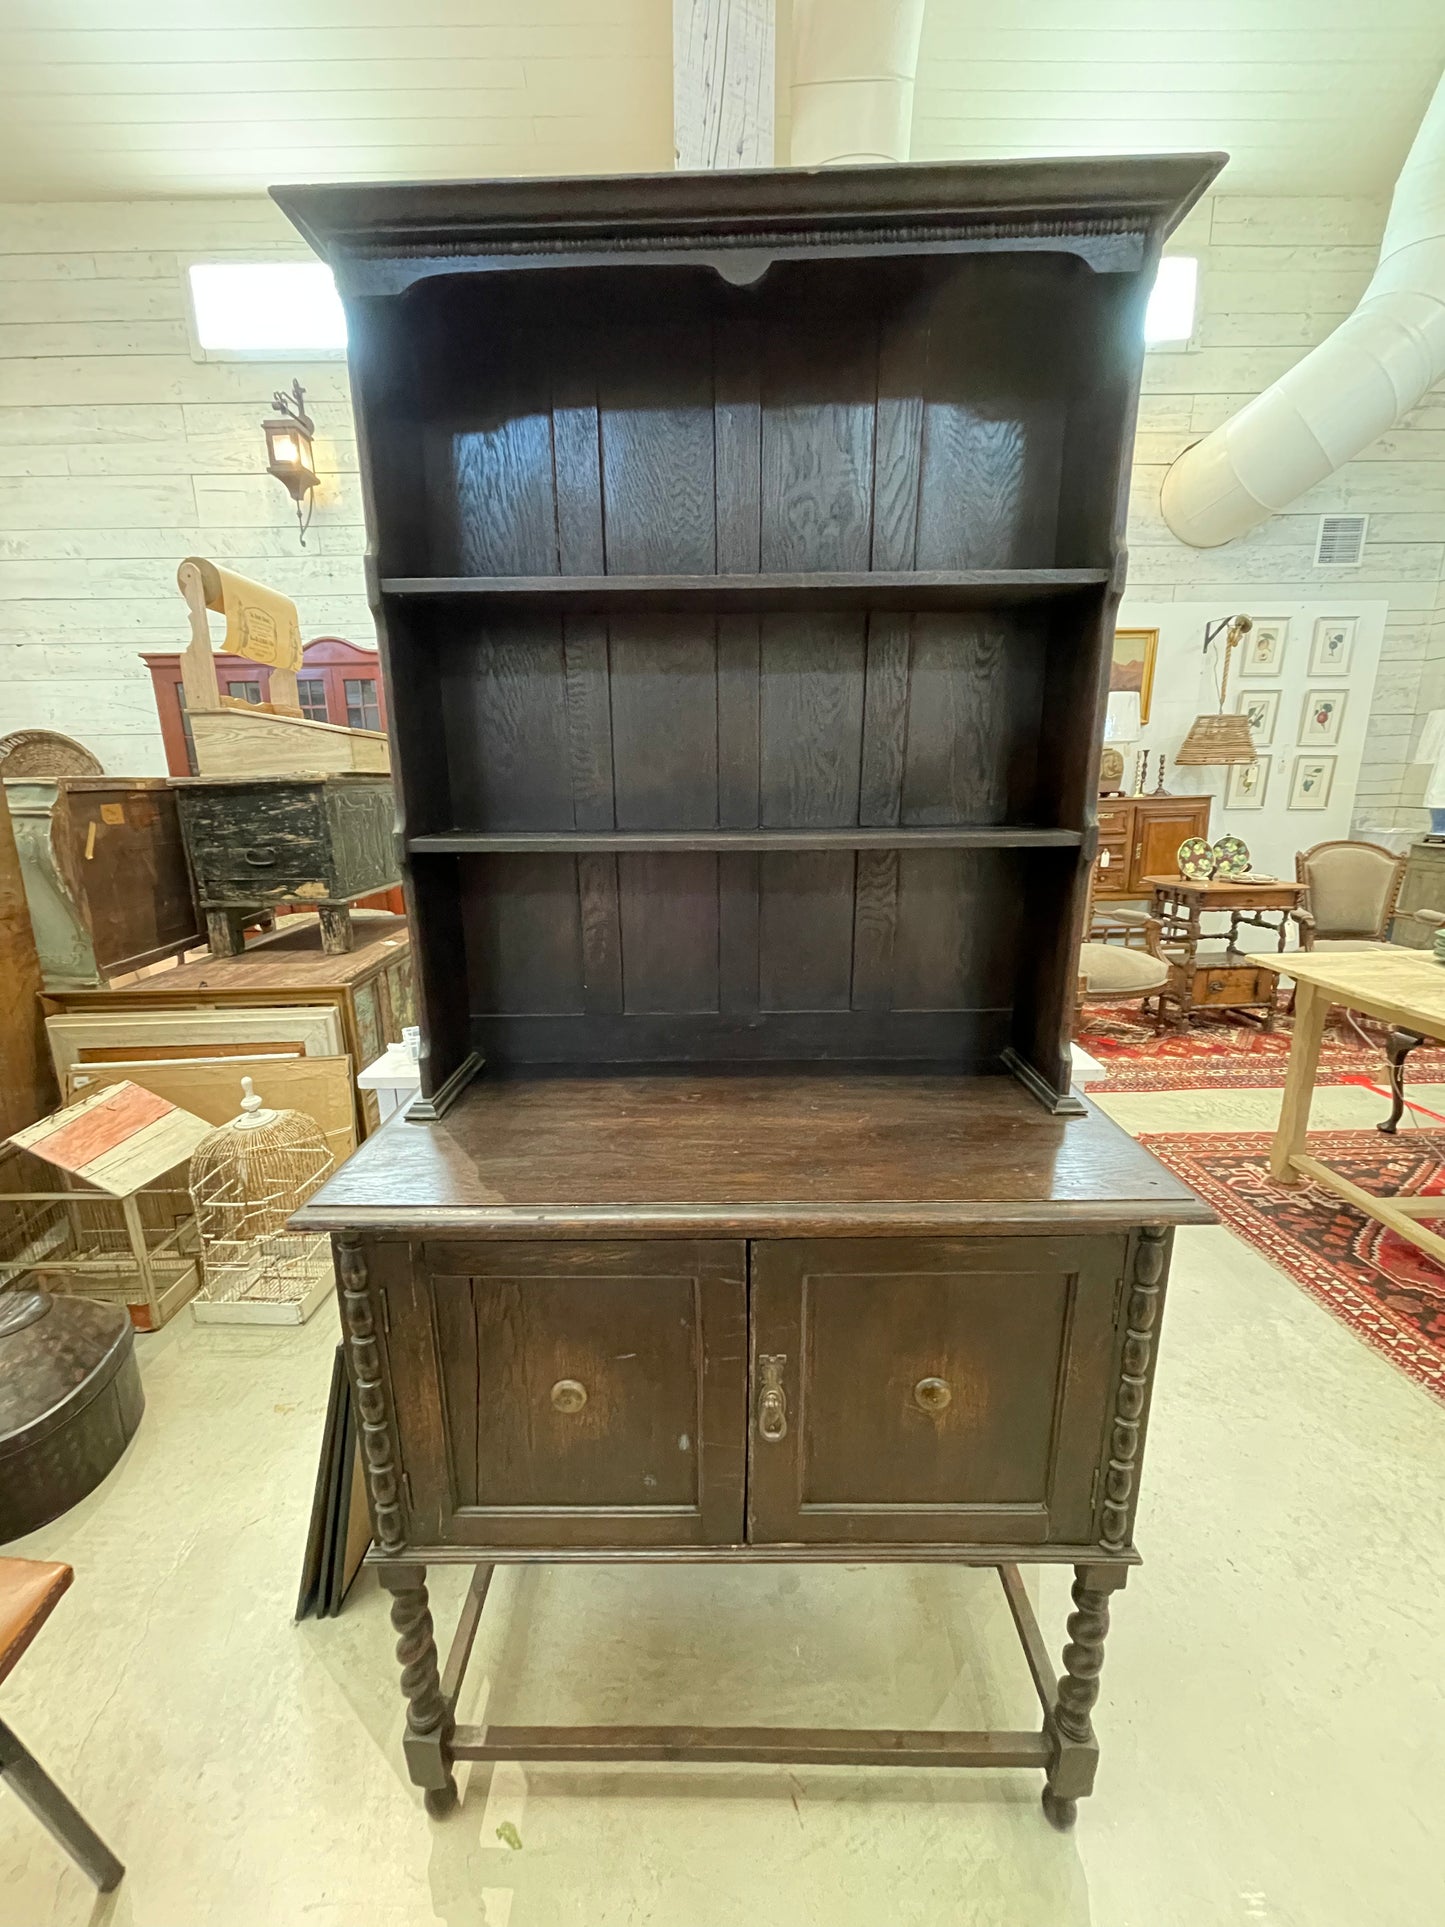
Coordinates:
[1311,1007]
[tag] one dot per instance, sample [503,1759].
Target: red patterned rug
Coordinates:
[1382,1287]
[1222,1053]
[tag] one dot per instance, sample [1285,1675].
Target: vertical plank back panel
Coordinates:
[655,404]
[669,908]
[523,933]
[810,720]
[805,931]
[819,390]
[500,462]
[664,722]
[504,718]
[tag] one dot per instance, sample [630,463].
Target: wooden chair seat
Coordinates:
[29,1592]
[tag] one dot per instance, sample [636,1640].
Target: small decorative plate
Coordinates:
[1196,859]
[1231,856]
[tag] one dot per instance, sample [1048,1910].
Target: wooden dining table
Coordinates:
[1403,989]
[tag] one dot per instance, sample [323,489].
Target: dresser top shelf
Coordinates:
[758,593]
[785,1153]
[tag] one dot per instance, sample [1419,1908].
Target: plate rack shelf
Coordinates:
[746,611]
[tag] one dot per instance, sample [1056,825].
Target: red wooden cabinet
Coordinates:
[338,682]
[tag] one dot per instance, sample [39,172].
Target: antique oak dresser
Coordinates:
[745,550]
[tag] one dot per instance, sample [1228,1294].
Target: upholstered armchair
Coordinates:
[1122,961]
[1352,889]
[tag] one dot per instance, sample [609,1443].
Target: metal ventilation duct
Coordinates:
[1372,370]
[854,65]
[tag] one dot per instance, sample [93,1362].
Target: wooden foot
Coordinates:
[226,932]
[428,1718]
[337,935]
[1076,1751]
[1060,1814]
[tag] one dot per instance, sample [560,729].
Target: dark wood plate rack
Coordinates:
[745,555]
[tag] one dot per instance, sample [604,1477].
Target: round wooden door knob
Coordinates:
[932,1394]
[569,1395]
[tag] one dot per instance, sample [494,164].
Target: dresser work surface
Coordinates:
[763,1154]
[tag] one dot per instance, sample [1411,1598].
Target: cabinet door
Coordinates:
[1160,826]
[930,1392]
[590,1394]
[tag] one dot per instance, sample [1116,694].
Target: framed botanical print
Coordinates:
[1314,778]
[1334,644]
[1261,708]
[1261,654]
[1247,785]
[1132,667]
[1324,711]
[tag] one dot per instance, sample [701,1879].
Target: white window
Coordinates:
[1170,315]
[267,308]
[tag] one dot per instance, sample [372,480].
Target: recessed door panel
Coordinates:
[590,1394]
[934,1392]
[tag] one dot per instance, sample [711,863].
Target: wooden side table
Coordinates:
[1206,975]
[318,841]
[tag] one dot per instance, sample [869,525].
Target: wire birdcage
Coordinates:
[246,1179]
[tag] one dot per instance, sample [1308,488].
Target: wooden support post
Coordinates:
[429,1722]
[337,934]
[226,932]
[722,83]
[1076,1751]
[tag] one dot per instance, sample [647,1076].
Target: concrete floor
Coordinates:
[1271,1720]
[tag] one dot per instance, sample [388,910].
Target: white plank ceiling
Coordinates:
[123,98]
[1306,96]
[111,99]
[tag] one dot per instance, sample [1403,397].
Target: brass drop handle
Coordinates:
[932,1395]
[569,1395]
[772,1400]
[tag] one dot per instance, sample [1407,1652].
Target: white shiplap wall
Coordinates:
[120,453]
[1277,276]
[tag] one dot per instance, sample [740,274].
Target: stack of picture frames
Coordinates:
[1321,717]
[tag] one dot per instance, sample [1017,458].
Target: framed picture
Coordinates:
[1133,665]
[1261,706]
[1314,778]
[1247,785]
[1320,721]
[1334,645]
[1261,654]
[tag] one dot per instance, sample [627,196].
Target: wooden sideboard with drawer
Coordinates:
[1139,836]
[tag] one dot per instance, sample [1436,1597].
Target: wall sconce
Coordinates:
[289,455]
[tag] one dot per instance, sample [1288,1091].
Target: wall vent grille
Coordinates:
[1340,541]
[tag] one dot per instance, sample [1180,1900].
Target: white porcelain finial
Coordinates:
[253,1113]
